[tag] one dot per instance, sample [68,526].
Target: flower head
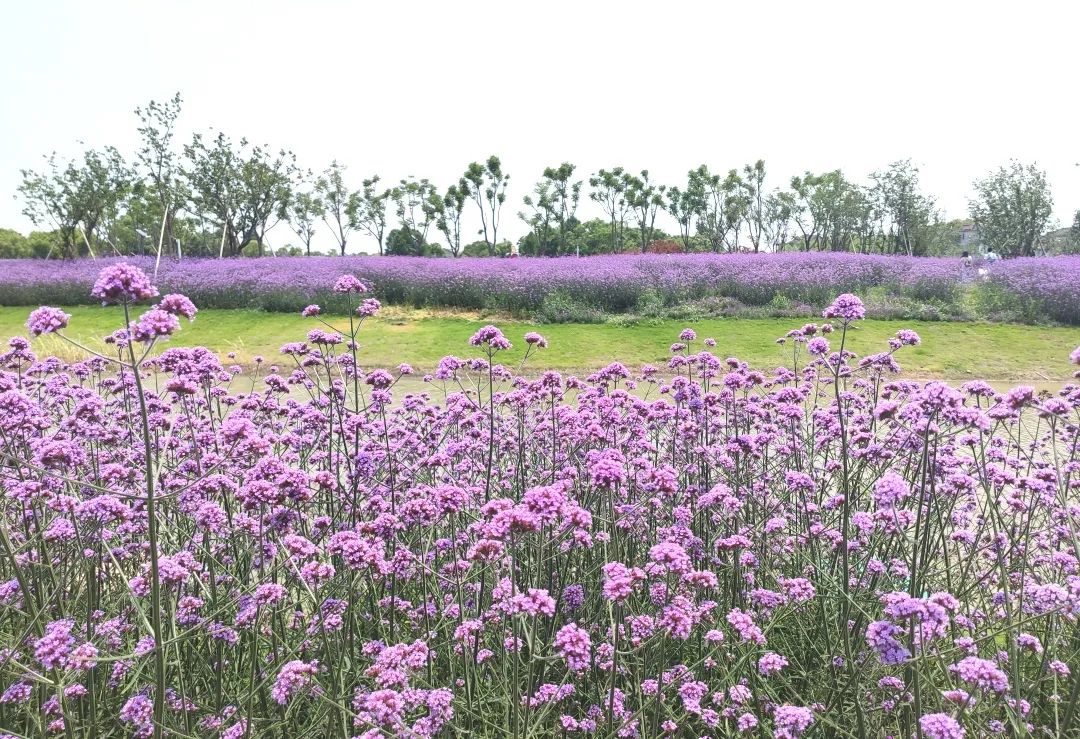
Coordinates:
[541,343]
[178,305]
[940,726]
[349,284]
[46,320]
[847,307]
[153,324]
[491,336]
[122,283]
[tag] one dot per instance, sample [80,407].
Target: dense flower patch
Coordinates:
[1020,289]
[702,550]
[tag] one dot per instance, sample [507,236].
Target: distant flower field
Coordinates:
[565,289]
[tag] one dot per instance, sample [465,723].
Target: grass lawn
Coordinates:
[957,351]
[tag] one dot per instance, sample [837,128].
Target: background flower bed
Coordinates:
[597,288]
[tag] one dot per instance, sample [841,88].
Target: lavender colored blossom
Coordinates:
[122,283]
[46,320]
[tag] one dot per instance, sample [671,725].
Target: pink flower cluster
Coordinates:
[698,549]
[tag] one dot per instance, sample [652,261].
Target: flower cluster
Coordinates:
[313,545]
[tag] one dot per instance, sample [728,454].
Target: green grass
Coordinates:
[1001,352]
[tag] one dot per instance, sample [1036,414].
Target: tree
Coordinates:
[137,228]
[338,203]
[405,242]
[736,203]
[541,218]
[244,190]
[645,200]
[718,205]
[159,162]
[684,207]
[76,196]
[486,185]
[13,245]
[752,185]
[448,210]
[370,211]
[565,196]
[819,206]
[1012,208]
[609,190]
[303,213]
[777,219]
[705,196]
[906,210]
[417,208]
[43,243]
[591,237]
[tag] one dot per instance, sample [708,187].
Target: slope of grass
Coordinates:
[1001,352]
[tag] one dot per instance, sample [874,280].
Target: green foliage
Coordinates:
[43,243]
[244,189]
[13,244]
[407,242]
[418,206]
[77,198]
[904,209]
[609,192]
[1012,208]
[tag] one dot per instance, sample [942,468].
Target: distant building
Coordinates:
[969,235]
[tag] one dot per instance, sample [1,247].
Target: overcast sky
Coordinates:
[422,88]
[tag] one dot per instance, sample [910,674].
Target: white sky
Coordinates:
[422,88]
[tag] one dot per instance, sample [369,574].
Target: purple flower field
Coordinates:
[1022,289]
[189,549]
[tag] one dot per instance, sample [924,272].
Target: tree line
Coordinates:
[214,196]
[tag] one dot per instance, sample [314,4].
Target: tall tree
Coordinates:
[609,191]
[645,199]
[1012,208]
[338,203]
[905,209]
[752,185]
[705,194]
[565,196]
[486,185]
[370,211]
[736,206]
[159,163]
[448,209]
[417,210]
